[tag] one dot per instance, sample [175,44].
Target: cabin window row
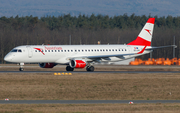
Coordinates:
[86,50]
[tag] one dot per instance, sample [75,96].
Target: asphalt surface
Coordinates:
[85,101]
[90,72]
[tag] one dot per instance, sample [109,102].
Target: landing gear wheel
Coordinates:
[21,66]
[90,68]
[21,69]
[68,68]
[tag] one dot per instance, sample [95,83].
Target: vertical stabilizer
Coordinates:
[145,36]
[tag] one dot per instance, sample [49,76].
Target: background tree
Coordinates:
[122,29]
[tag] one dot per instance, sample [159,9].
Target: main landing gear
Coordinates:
[69,68]
[21,67]
[88,68]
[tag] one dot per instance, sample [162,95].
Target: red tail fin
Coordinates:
[145,36]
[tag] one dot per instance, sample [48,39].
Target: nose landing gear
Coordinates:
[21,66]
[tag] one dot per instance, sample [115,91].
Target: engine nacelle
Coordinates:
[77,63]
[47,65]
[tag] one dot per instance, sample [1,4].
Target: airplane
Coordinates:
[83,56]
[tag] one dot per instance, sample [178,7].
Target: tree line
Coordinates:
[29,30]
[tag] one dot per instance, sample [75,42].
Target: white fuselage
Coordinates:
[61,54]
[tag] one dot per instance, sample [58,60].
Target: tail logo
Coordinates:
[148,31]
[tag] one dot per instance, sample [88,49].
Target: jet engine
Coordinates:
[77,63]
[47,65]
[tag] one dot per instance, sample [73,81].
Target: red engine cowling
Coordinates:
[47,65]
[77,63]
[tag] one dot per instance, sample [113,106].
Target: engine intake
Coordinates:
[47,65]
[77,63]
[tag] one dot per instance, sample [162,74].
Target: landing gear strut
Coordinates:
[21,67]
[69,68]
[90,68]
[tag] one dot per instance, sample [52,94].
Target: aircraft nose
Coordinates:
[8,58]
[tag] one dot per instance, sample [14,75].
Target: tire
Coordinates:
[90,68]
[87,68]
[21,69]
[68,68]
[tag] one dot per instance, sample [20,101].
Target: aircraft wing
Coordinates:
[98,57]
[112,55]
[107,56]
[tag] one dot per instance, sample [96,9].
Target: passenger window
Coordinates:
[61,50]
[35,50]
[109,49]
[52,50]
[49,51]
[45,50]
[71,50]
[68,50]
[64,50]
[58,50]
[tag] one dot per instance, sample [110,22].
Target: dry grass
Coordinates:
[90,108]
[89,86]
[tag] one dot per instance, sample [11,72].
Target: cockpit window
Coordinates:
[16,50]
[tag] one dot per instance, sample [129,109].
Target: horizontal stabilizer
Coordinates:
[152,48]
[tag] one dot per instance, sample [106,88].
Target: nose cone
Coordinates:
[8,58]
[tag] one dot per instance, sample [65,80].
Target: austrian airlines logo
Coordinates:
[48,48]
[148,31]
[39,49]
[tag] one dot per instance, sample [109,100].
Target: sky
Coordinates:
[56,8]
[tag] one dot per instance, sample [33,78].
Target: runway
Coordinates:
[131,72]
[85,101]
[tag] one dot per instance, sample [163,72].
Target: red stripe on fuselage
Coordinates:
[140,41]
